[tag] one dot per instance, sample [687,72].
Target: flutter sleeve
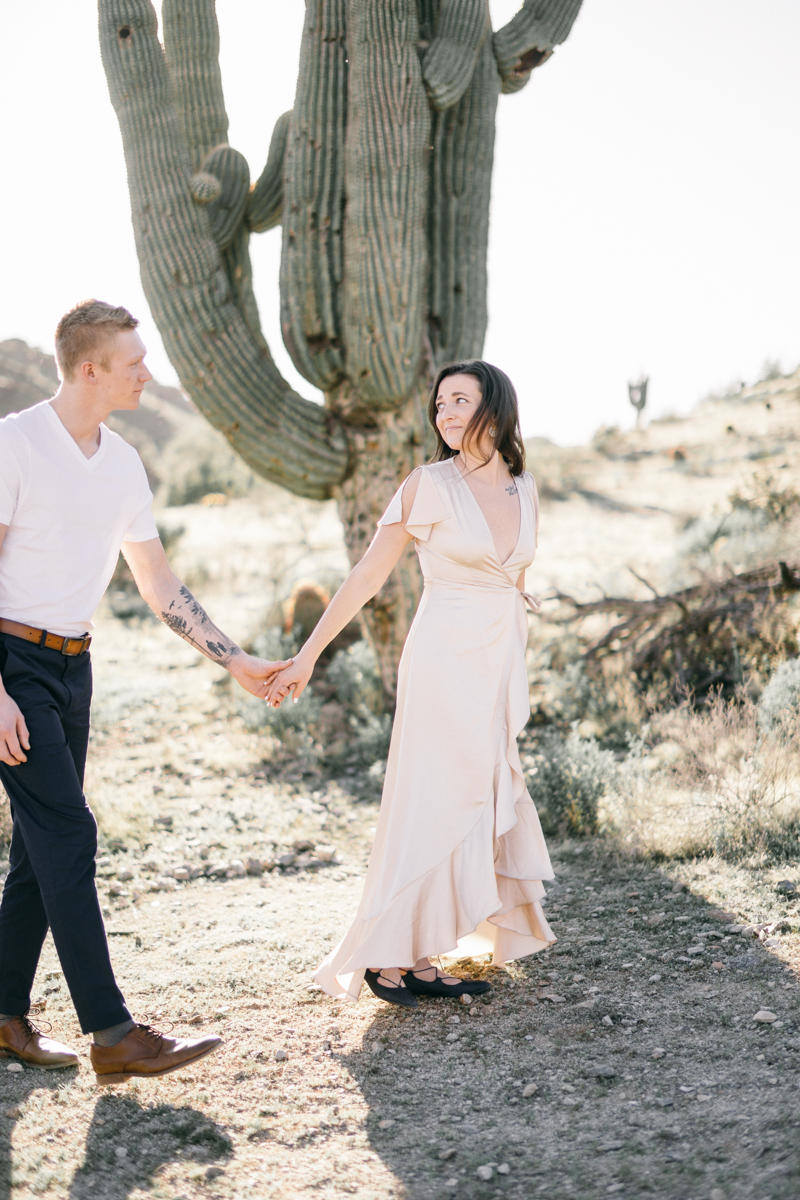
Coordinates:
[427,509]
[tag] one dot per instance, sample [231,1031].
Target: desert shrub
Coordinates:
[570,778]
[200,461]
[712,781]
[780,700]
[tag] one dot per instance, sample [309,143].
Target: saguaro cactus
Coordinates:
[380,177]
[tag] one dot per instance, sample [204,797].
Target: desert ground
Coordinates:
[654,1051]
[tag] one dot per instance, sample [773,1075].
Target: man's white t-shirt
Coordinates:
[68,515]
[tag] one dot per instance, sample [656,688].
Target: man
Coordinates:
[71,493]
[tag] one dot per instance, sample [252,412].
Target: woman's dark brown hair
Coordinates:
[497,410]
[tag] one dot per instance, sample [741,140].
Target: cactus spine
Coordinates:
[380,177]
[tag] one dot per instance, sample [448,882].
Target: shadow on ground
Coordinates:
[127,1144]
[646,1072]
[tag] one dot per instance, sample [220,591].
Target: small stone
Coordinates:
[451,1183]
[696,950]
[530,1089]
[451,1037]
[125,876]
[214,1172]
[446,1155]
[376,1048]
[607,1020]
[578,978]
[12,1113]
[616,1187]
[180,873]
[236,869]
[668,956]
[454,1020]
[281,1055]
[601,1072]
[121,1152]
[386,1123]
[467,1000]
[612,1145]
[664,1101]
[504,1169]
[286,860]
[15,1066]
[655,979]
[717,1194]
[658,1052]
[326,854]
[553,997]
[784,886]
[765,1017]
[718,966]
[254,866]
[485,1173]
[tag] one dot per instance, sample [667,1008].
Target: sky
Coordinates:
[644,209]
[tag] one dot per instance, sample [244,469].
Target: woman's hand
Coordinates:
[293,678]
[255,674]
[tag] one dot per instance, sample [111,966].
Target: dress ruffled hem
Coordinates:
[460,908]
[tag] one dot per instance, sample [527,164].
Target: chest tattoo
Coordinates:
[512,489]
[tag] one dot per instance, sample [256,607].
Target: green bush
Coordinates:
[570,778]
[200,461]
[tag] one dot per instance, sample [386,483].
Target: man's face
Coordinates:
[122,384]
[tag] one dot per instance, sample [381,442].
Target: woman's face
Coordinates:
[457,402]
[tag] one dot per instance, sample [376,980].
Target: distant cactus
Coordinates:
[380,176]
[637,395]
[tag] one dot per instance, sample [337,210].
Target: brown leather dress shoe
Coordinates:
[27,1043]
[144,1053]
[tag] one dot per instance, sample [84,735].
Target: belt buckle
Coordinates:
[83,640]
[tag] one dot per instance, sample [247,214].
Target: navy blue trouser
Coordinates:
[51,881]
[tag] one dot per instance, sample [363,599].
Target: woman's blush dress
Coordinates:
[459,855]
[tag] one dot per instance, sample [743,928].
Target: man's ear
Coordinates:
[87,372]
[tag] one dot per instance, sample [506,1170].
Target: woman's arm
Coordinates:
[366,578]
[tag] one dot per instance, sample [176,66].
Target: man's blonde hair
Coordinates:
[83,331]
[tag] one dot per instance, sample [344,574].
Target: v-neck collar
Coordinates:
[503,562]
[65,435]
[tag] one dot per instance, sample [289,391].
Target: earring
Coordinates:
[493,431]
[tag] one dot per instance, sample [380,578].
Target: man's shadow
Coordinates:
[127,1144]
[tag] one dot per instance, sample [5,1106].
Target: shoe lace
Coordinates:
[153,1035]
[31,1029]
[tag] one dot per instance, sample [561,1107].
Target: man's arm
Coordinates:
[14,740]
[175,605]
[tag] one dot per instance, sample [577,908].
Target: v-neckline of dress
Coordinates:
[503,562]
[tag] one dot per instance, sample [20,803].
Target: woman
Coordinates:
[459,855]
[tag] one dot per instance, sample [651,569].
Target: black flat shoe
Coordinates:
[437,986]
[395,995]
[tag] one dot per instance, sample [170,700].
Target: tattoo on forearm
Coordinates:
[190,621]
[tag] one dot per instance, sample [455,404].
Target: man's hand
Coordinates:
[14,738]
[255,674]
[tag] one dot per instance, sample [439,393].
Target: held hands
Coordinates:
[293,678]
[14,738]
[255,674]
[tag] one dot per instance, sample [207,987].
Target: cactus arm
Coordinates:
[529,38]
[448,63]
[227,209]
[266,195]
[314,201]
[388,132]
[191,43]
[226,370]
[458,223]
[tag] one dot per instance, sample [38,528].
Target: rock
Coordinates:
[618,1187]
[485,1173]
[286,860]
[607,1020]
[454,1020]
[659,1052]
[655,979]
[465,999]
[326,854]
[214,1172]
[15,1066]
[578,978]
[302,845]
[784,887]
[601,1071]
[718,966]
[125,876]
[696,950]
[451,1037]
[717,1194]
[765,1017]
[530,1089]
[446,1155]
[668,956]
[553,997]
[217,869]
[504,1169]
[236,869]
[656,919]
[664,1101]
[254,866]
[180,873]
[121,1152]
[376,1048]
[450,1184]
[281,1055]
[386,1123]
[612,1145]
[12,1113]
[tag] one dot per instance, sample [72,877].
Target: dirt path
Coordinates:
[624,1061]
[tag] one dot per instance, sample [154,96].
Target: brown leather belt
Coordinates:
[65,645]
